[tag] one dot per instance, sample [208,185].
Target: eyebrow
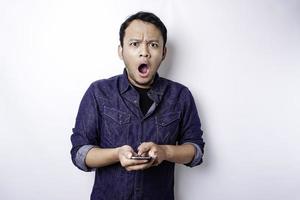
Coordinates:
[133,39]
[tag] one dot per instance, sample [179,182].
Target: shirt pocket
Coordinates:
[167,127]
[115,127]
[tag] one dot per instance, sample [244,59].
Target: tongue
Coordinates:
[143,68]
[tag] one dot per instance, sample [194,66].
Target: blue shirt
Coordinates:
[109,116]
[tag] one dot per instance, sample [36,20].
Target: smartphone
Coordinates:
[141,157]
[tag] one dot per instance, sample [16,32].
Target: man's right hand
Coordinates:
[125,153]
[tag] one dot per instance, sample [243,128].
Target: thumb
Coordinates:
[152,154]
[143,148]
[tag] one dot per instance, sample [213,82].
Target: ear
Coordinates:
[164,53]
[120,52]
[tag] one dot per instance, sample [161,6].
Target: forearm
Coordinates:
[181,154]
[98,157]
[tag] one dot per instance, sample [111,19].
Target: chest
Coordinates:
[123,123]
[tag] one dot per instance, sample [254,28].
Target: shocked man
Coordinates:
[132,128]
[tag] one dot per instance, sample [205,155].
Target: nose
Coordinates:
[144,52]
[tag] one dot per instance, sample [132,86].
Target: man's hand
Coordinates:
[125,153]
[157,152]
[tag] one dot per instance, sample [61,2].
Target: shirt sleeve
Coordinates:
[191,131]
[81,155]
[198,156]
[85,133]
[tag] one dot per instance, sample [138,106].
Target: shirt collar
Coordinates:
[156,92]
[124,84]
[157,86]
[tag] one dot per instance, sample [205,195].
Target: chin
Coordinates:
[144,83]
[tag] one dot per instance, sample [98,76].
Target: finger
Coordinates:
[129,162]
[126,151]
[155,163]
[153,153]
[128,155]
[144,147]
[132,162]
[143,154]
[139,166]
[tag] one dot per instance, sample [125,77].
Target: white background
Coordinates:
[240,59]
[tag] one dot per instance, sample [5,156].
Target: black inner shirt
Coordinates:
[145,101]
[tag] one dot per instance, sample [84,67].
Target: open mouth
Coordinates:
[143,68]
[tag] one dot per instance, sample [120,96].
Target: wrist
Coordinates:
[167,152]
[123,151]
[117,154]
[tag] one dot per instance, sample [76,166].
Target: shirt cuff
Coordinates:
[198,155]
[81,155]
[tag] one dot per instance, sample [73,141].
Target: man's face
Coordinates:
[142,52]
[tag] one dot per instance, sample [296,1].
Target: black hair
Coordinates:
[146,17]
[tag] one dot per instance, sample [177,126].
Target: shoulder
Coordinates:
[174,87]
[105,87]
[105,82]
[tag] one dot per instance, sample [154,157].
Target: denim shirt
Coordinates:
[109,116]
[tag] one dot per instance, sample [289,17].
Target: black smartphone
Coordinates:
[141,157]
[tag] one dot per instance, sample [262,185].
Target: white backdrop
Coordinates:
[240,59]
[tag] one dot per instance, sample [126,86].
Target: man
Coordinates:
[137,114]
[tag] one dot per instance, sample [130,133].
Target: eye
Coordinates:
[134,44]
[154,45]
